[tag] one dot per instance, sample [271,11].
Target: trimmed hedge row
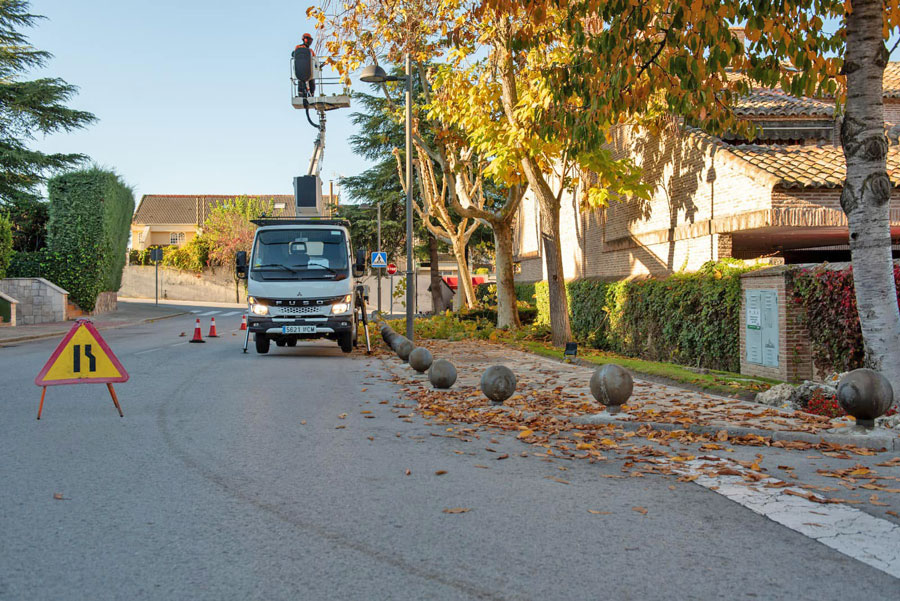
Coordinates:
[87,234]
[486,294]
[690,319]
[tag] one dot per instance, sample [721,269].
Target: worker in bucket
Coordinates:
[308,87]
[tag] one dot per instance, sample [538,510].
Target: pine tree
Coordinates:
[29,108]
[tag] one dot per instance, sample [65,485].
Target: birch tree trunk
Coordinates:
[867,190]
[507,311]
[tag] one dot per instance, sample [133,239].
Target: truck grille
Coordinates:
[299,310]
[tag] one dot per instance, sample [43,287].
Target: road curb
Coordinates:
[12,341]
[877,440]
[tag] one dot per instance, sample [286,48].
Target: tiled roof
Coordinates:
[189,209]
[807,166]
[764,102]
[892,80]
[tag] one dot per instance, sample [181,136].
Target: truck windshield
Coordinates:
[300,254]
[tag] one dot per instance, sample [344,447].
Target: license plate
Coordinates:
[298,329]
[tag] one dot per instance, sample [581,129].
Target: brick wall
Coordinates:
[699,194]
[40,301]
[794,359]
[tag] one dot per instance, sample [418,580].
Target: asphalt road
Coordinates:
[233,476]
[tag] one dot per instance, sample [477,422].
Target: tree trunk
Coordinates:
[465,278]
[867,190]
[436,298]
[560,331]
[507,312]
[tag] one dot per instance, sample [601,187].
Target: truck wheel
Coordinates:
[262,343]
[345,340]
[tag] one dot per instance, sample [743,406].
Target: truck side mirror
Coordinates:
[359,268]
[240,264]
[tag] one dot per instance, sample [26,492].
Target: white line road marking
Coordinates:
[195,311]
[152,350]
[209,313]
[855,533]
[230,314]
[179,343]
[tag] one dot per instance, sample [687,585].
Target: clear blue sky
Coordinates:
[192,96]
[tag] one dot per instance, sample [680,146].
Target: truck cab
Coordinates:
[301,282]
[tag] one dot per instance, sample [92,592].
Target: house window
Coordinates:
[176,238]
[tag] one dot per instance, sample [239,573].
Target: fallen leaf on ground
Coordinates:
[503,456]
[457,510]
[408,472]
[595,512]
[484,467]
[893,513]
[59,496]
[560,480]
[874,501]
[302,422]
[640,510]
[440,472]
[342,416]
[525,433]
[364,389]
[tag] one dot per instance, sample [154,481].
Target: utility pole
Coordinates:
[378,276]
[410,283]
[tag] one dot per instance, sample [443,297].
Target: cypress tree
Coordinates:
[29,107]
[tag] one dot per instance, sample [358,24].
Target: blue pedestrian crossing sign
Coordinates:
[379,259]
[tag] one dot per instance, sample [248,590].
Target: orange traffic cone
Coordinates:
[243,322]
[198,337]
[212,328]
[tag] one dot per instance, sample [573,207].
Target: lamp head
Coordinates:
[373,74]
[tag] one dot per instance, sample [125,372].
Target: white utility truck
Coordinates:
[301,283]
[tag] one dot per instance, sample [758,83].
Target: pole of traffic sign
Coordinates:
[157,282]
[379,249]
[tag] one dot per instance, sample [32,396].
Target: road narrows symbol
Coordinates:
[82,347]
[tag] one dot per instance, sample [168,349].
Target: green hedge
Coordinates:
[486,294]
[6,243]
[691,319]
[90,217]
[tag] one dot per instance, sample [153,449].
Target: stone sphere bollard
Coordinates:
[611,385]
[403,348]
[498,383]
[420,359]
[865,394]
[442,374]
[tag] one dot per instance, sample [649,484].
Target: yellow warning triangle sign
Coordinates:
[83,357]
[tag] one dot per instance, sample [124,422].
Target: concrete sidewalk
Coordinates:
[551,388]
[130,313]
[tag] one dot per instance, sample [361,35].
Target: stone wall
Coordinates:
[40,301]
[214,285]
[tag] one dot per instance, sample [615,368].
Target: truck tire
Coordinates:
[262,343]
[347,340]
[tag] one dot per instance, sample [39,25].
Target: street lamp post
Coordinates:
[377,75]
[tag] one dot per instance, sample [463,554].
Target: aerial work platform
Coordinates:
[321,103]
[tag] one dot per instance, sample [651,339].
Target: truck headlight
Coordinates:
[343,306]
[257,309]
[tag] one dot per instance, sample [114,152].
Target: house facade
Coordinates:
[774,199]
[173,219]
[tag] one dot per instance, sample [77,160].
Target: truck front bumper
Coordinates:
[324,327]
